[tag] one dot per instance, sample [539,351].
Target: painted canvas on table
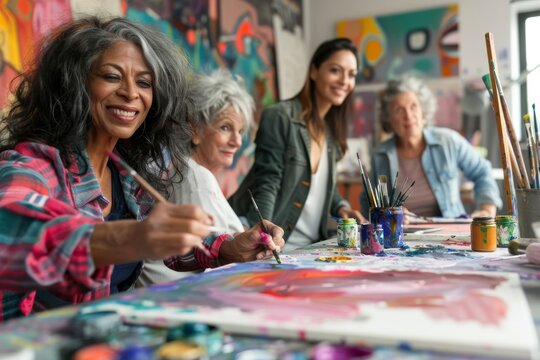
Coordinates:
[389,45]
[468,313]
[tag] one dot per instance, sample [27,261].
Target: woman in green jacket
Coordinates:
[299,142]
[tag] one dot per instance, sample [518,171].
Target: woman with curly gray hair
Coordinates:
[68,213]
[433,157]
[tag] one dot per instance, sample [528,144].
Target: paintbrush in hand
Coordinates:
[148,188]
[263,226]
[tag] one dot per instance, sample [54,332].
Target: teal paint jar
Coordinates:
[507,229]
[347,233]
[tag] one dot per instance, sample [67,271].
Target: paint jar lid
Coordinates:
[136,353]
[96,352]
[505,218]
[483,220]
[348,221]
[180,350]
[335,351]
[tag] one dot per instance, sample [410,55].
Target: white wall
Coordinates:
[476,17]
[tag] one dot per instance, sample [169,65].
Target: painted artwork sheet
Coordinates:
[467,313]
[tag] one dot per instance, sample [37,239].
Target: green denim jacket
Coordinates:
[281,176]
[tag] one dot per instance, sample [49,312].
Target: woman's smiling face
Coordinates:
[120,86]
[217,143]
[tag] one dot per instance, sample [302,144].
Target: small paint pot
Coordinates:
[483,234]
[180,350]
[391,219]
[96,325]
[341,352]
[96,352]
[347,233]
[507,229]
[372,236]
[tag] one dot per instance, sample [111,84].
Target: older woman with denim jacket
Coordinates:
[299,142]
[433,157]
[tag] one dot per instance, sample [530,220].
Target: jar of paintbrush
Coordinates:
[391,220]
[386,209]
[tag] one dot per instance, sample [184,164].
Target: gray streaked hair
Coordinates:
[211,94]
[52,104]
[406,83]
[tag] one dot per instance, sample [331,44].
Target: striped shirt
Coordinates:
[47,216]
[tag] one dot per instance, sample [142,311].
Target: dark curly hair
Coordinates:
[52,104]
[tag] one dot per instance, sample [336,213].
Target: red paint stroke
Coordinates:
[311,292]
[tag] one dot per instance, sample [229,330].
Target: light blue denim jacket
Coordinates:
[447,154]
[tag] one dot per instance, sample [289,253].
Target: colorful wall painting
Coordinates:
[22,24]
[467,313]
[389,45]
[237,34]
[425,42]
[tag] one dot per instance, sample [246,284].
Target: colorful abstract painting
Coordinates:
[467,313]
[22,24]
[389,45]
[236,34]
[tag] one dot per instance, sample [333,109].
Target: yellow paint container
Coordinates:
[483,234]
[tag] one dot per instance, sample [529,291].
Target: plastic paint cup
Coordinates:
[372,236]
[391,220]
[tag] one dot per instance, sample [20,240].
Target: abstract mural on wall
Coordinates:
[390,45]
[236,34]
[424,43]
[22,24]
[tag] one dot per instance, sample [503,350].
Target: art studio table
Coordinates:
[434,298]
